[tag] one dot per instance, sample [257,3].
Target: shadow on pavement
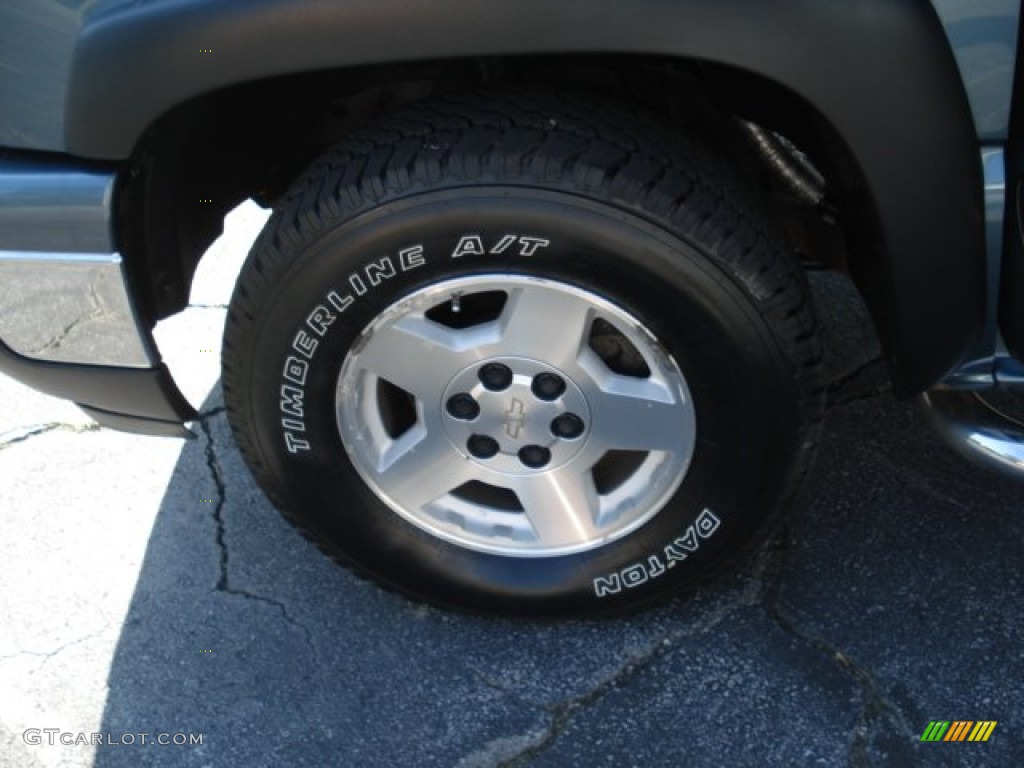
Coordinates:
[892,599]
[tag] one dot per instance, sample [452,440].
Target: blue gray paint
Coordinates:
[983,34]
[36,41]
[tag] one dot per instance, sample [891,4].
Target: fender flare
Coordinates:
[879,72]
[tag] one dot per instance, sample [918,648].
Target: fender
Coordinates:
[880,73]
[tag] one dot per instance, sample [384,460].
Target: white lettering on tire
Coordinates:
[658,564]
[338,300]
[473,245]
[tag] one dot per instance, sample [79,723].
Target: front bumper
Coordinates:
[143,400]
[68,323]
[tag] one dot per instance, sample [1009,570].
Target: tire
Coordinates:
[523,354]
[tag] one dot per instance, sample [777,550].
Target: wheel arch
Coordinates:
[878,78]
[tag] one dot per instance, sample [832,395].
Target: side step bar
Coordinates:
[977,430]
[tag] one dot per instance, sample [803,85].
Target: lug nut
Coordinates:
[534,456]
[495,376]
[547,386]
[482,446]
[463,407]
[568,426]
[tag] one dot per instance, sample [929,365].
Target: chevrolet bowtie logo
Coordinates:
[515,418]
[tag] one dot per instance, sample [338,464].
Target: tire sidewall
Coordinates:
[355,268]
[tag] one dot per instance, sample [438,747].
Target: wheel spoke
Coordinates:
[420,356]
[546,325]
[562,506]
[516,399]
[639,415]
[420,467]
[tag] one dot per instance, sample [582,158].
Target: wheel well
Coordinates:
[203,157]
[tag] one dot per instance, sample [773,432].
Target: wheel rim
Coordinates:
[515,415]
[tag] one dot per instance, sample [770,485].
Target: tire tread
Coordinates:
[562,140]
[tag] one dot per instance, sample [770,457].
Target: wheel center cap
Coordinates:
[515,415]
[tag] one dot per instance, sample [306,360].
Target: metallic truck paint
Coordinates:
[37,40]
[55,204]
[983,35]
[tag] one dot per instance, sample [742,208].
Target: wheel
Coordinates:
[523,354]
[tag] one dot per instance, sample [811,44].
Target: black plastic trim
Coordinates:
[1011,304]
[880,73]
[137,425]
[142,400]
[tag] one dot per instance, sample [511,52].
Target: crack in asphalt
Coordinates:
[874,705]
[224,579]
[97,311]
[21,434]
[563,712]
[912,478]
[48,655]
[763,586]
[865,382]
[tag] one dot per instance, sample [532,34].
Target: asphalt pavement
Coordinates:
[149,588]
